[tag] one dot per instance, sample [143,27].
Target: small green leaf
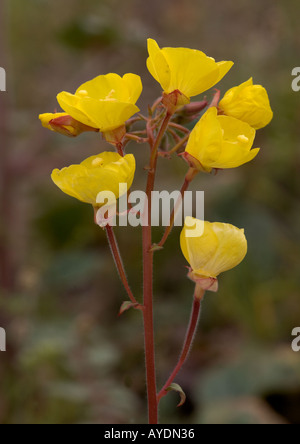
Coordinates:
[176,388]
[156,247]
[126,306]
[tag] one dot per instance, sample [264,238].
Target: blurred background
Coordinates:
[70,358]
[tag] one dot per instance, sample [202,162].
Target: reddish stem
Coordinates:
[119,263]
[148,325]
[187,180]
[188,341]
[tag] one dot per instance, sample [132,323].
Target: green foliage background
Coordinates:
[70,359]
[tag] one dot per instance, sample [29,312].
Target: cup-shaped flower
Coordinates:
[64,124]
[97,174]
[187,71]
[220,142]
[104,103]
[211,249]
[249,103]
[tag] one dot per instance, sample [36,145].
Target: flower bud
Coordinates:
[64,124]
[249,103]
[211,249]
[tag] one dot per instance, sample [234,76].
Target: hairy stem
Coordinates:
[187,180]
[119,263]
[195,315]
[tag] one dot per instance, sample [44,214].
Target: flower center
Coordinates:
[243,139]
[83,93]
[110,95]
[98,162]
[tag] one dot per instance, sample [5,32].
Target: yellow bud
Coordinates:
[64,124]
[217,248]
[249,103]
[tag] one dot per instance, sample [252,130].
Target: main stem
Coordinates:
[148,279]
[148,325]
[199,293]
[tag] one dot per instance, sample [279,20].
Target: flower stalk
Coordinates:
[222,139]
[119,263]
[191,331]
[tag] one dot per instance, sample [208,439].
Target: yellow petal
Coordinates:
[158,65]
[205,142]
[107,115]
[192,72]
[198,250]
[134,86]
[71,105]
[111,86]
[232,248]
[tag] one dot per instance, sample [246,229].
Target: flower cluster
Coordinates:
[222,138]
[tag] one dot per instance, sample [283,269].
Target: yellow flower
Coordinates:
[104,103]
[96,174]
[64,124]
[186,70]
[249,103]
[220,142]
[211,249]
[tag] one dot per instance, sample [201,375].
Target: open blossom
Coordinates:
[104,103]
[216,248]
[101,173]
[220,142]
[249,103]
[187,71]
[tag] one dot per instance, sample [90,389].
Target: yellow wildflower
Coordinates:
[185,70]
[104,103]
[249,103]
[220,142]
[101,173]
